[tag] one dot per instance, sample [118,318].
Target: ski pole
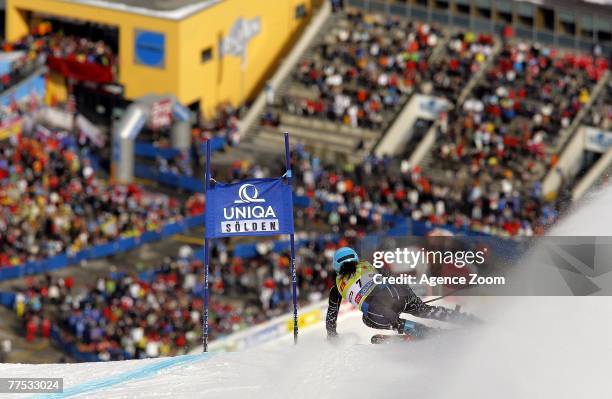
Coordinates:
[447,294]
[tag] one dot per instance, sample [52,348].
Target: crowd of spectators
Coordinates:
[21,67]
[355,198]
[363,70]
[358,197]
[266,278]
[159,313]
[44,43]
[128,317]
[496,147]
[31,303]
[59,50]
[464,55]
[52,200]
[493,150]
[223,125]
[123,316]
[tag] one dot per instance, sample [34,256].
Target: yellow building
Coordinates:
[204,52]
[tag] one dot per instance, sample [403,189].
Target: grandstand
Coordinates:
[343,92]
[477,117]
[523,20]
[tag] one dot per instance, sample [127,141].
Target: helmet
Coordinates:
[344,254]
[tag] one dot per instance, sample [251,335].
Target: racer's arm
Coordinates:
[416,307]
[332,311]
[385,272]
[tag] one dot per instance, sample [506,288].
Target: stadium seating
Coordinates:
[351,83]
[53,202]
[499,144]
[158,313]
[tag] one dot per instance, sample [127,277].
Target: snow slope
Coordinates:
[531,347]
[543,347]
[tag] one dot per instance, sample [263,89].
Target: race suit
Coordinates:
[382,304]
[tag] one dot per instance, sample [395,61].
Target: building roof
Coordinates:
[166,9]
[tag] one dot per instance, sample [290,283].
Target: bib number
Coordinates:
[360,288]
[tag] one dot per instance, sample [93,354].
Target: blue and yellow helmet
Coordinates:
[344,254]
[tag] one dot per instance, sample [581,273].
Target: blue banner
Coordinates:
[255,207]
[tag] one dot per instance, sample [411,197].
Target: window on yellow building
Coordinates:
[207,54]
[300,11]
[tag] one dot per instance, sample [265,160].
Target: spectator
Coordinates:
[6,348]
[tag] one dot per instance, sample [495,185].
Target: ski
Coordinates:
[418,331]
[385,339]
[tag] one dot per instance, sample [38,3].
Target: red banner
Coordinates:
[84,71]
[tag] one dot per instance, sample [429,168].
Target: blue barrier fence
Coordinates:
[7,299]
[99,251]
[148,150]
[71,349]
[169,179]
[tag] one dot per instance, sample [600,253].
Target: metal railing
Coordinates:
[479,24]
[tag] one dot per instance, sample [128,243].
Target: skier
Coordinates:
[381,304]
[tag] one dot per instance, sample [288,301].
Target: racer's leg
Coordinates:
[414,329]
[402,297]
[381,316]
[379,311]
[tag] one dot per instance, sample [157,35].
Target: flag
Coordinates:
[255,207]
